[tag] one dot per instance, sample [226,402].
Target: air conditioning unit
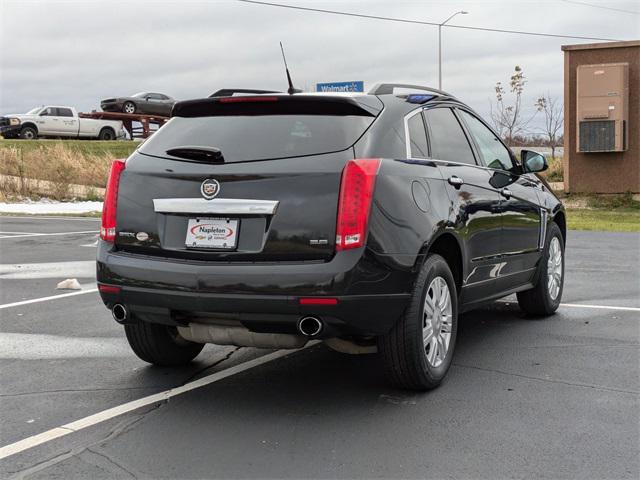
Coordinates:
[603,107]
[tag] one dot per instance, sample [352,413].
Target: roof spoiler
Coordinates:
[388,89]
[278,104]
[229,92]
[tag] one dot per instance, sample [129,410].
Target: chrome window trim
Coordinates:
[407,140]
[216,206]
[507,172]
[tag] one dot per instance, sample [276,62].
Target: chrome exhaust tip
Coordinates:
[309,326]
[120,313]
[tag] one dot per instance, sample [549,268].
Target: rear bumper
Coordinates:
[262,297]
[352,315]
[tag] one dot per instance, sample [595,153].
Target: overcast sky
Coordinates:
[78,52]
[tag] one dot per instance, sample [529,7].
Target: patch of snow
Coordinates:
[69,284]
[48,206]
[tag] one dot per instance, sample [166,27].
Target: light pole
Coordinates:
[440,46]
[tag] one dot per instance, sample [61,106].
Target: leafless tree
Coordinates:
[553,120]
[506,113]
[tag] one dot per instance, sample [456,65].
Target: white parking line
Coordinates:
[91,420]
[63,295]
[46,299]
[41,217]
[600,307]
[81,269]
[46,234]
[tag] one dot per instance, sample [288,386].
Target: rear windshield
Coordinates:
[244,138]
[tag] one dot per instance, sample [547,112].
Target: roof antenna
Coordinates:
[291,89]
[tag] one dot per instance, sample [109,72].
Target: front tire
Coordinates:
[129,107]
[418,351]
[161,344]
[28,133]
[544,298]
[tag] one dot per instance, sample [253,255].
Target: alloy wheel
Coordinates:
[554,268]
[437,321]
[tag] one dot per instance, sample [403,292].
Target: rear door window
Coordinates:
[64,112]
[448,140]
[260,137]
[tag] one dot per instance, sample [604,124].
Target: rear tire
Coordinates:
[544,298]
[28,133]
[129,107]
[161,344]
[107,134]
[418,351]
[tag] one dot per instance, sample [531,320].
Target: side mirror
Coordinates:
[533,162]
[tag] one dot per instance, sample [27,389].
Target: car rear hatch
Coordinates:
[242,179]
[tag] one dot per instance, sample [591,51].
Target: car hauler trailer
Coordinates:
[138,125]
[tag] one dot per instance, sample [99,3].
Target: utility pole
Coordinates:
[462,12]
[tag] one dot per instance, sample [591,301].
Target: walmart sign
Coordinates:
[340,87]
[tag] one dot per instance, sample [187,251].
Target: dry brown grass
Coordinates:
[53,163]
[554,173]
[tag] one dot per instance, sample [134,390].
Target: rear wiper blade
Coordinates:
[198,153]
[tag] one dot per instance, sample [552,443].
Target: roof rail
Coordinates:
[229,92]
[388,88]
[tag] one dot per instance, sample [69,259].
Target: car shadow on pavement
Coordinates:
[324,368]
[318,413]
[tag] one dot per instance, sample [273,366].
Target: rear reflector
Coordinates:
[247,99]
[108,288]
[356,193]
[109,207]
[318,301]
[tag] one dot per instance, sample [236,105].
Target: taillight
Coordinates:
[356,193]
[108,227]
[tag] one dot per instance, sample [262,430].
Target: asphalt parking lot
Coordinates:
[553,398]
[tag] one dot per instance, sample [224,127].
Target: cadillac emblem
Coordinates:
[210,188]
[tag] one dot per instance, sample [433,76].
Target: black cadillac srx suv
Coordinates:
[368,221]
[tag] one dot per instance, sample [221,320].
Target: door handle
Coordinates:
[456,181]
[506,193]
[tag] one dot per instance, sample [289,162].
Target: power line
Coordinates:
[420,22]
[601,6]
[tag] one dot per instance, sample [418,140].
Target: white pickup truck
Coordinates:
[54,121]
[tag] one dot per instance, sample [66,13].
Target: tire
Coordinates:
[544,298]
[410,361]
[107,134]
[160,344]
[129,107]
[28,133]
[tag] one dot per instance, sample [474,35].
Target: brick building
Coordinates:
[602,117]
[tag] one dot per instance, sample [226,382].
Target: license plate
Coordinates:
[218,233]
